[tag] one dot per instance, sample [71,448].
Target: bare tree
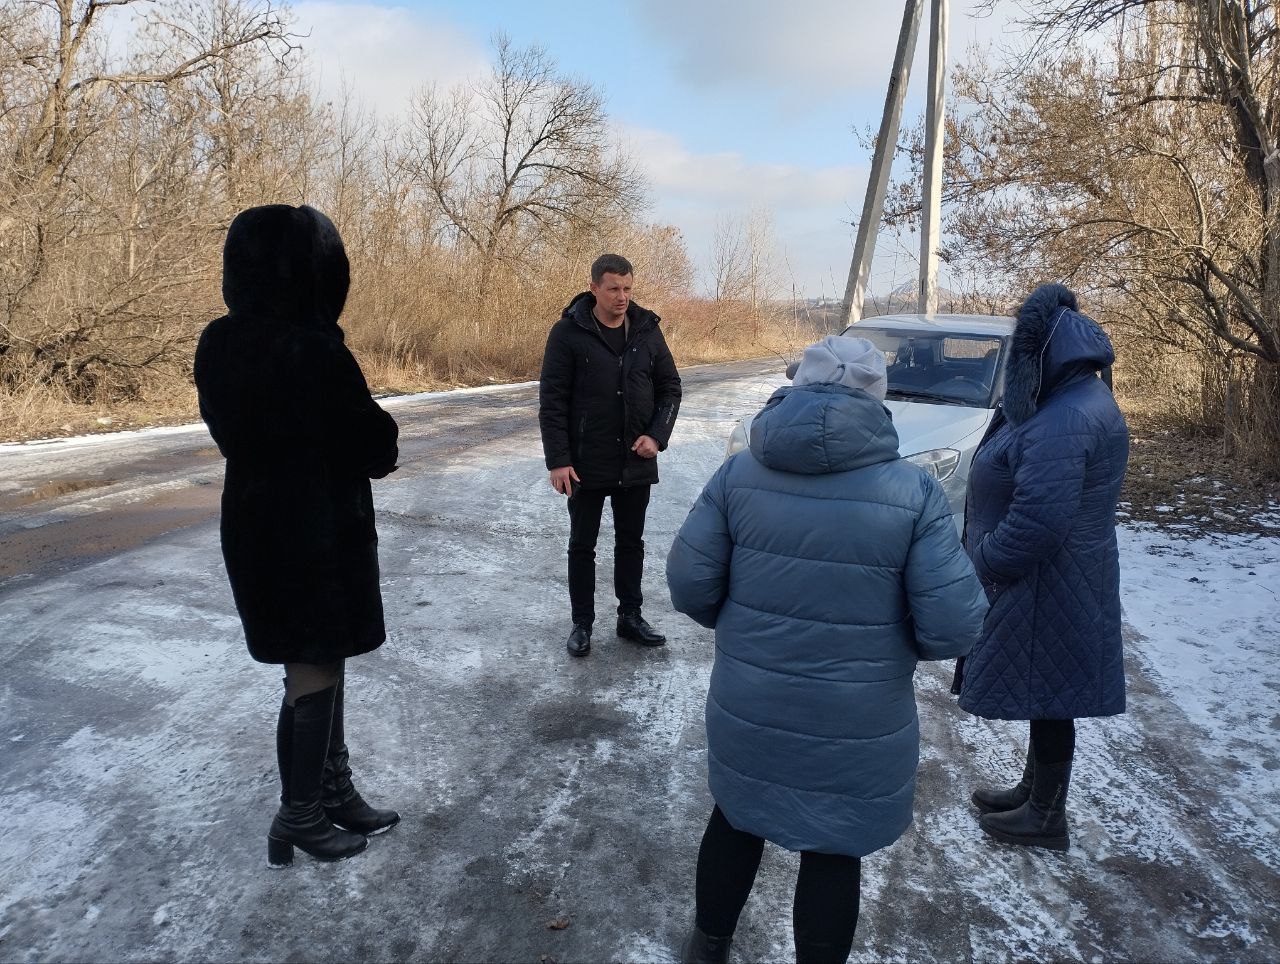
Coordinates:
[1142,169]
[745,275]
[93,148]
[524,154]
[119,173]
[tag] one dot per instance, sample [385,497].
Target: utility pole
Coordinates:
[855,290]
[931,193]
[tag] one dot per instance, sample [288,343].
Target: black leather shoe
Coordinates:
[579,643]
[990,800]
[1042,820]
[702,948]
[633,627]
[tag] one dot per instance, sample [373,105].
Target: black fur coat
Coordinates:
[290,410]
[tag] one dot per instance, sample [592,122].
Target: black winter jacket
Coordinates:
[587,391]
[289,408]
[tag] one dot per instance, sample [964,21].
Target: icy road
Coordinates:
[137,774]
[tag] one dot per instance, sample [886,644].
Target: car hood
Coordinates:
[922,426]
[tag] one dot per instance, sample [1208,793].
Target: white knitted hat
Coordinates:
[843,360]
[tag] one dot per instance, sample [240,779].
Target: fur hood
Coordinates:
[1053,345]
[285,265]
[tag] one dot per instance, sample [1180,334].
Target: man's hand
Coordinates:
[645,447]
[562,479]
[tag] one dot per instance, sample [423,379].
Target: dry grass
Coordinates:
[37,413]
[1179,472]
[463,356]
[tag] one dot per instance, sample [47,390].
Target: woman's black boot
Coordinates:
[1042,820]
[302,743]
[342,802]
[815,953]
[701,948]
[990,800]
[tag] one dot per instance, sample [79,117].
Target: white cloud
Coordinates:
[384,53]
[726,177]
[810,206]
[815,50]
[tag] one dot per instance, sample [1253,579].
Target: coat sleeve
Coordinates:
[555,389]
[666,395]
[946,599]
[1048,481]
[364,434]
[698,563]
[203,366]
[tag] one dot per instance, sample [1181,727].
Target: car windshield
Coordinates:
[944,367]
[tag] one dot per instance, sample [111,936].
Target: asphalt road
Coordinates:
[136,743]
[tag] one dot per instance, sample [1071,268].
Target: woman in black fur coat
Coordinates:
[290,411]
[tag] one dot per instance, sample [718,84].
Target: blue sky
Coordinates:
[728,106]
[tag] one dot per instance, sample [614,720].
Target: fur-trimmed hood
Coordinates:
[284,264]
[1053,345]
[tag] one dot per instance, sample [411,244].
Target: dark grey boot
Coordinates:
[342,802]
[701,948]
[991,800]
[302,742]
[1042,820]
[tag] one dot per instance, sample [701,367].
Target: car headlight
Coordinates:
[737,440]
[940,463]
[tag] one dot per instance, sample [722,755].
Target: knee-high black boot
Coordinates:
[991,800]
[302,743]
[342,802]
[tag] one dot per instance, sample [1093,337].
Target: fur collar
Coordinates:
[1038,319]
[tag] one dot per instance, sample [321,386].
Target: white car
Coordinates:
[946,375]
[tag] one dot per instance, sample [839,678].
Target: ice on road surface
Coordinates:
[137,737]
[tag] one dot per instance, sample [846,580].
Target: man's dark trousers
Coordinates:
[585,508]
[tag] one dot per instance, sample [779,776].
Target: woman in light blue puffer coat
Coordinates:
[828,566]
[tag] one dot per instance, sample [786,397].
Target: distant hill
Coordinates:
[905,298]
[824,314]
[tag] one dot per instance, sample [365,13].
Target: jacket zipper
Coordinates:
[632,344]
[622,442]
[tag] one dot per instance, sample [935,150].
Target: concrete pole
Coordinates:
[931,190]
[855,290]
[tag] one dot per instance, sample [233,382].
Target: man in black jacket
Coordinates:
[608,401]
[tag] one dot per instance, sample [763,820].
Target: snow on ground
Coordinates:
[147,435]
[137,775]
[1206,617]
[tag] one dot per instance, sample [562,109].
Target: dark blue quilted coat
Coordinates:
[828,566]
[1041,530]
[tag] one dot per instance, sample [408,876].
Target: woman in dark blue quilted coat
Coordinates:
[1040,529]
[828,566]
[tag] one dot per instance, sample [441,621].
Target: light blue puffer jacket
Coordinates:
[828,566]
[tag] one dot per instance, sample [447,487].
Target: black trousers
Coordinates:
[1053,741]
[585,508]
[828,892]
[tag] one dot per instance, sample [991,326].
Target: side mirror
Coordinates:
[792,369]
